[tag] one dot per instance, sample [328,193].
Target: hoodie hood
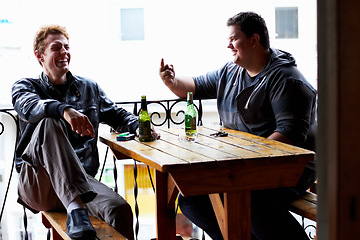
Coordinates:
[279,99]
[278,58]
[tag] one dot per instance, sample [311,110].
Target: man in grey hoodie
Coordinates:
[261,92]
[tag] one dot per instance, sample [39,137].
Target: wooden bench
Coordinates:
[306,207]
[57,222]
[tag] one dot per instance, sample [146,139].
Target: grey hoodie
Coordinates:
[279,99]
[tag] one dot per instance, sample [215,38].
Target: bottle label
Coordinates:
[193,123]
[144,131]
[190,123]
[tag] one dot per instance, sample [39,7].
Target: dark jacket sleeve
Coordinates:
[31,106]
[293,103]
[116,117]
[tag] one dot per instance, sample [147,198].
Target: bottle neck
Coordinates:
[189,99]
[143,105]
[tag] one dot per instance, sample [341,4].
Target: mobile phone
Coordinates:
[125,136]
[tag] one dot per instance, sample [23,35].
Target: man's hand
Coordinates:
[79,122]
[167,74]
[280,137]
[178,85]
[154,135]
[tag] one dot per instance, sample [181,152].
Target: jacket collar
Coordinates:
[70,79]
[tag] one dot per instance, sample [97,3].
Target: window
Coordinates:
[9,33]
[286,19]
[132,24]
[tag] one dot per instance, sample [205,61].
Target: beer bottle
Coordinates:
[144,122]
[190,117]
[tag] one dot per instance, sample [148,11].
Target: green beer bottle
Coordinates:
[190,117]
[144,122]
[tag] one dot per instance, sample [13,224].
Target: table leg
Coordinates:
[234,216]
[237,206]
[165,211]
[219,210]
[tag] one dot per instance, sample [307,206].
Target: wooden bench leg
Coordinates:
[54,234]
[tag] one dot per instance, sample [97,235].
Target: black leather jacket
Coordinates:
[36,98]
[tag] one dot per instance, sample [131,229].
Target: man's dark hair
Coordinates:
[250,23]
[44,31]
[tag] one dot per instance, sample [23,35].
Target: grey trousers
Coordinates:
[53,176]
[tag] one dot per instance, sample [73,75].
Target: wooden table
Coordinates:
[234,165]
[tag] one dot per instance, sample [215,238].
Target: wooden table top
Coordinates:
[234,157]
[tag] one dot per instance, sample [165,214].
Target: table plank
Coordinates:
[166,153]
[205,151]
[241,146]
[262,146]
[141,152]
[258,140]
[223,146]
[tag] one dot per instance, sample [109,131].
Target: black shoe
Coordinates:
[78,225]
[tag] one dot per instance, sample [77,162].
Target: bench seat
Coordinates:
[305,206]
[57,222]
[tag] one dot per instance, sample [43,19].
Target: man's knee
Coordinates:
[121,218]
[121,210]
[53,124]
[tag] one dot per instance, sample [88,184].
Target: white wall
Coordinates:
[192,35]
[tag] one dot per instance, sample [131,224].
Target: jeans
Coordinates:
[270,218]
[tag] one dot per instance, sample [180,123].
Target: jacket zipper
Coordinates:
[253,92]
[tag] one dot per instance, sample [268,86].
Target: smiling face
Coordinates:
[241,46]
[55,58]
